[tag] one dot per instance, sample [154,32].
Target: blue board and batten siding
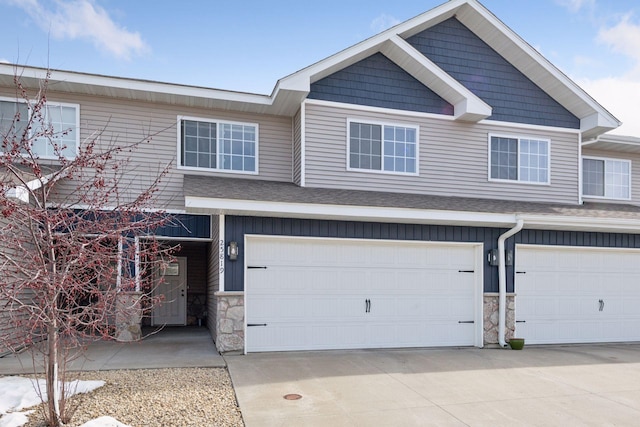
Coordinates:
[186,226]
[482,70]
[237,226]
[377,82]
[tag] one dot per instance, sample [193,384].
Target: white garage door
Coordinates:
[310,293]
[577,295]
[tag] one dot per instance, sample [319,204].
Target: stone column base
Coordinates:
[490,305]
[128,317]
[230,321]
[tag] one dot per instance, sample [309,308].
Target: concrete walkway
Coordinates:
[543,386]
[175,347]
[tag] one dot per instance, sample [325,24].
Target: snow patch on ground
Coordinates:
[104,422]
[18,393]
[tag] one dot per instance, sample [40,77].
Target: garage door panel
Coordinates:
[631,306]
[560,295]
[373,294]
[329,335]
[330,308]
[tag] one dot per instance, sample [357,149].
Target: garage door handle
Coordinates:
[521,321]
[256,324]
[466,271]
[466,321]
[367,305]
[257,266]
[601,304]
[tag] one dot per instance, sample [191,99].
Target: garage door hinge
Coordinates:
[264,267]
[466,271]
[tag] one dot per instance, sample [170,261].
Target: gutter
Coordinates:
[21,192]
[502,281]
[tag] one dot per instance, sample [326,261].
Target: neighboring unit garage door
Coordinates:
[311,293]
[577,295]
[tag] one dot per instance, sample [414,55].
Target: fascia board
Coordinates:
[535,66]
[353,54]
[597,121]
[405,215]
[616,143]
[381,214]
[581,223]
[467,106]
[39,74]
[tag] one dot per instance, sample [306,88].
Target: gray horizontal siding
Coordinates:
[468,59]
[378,82]
[635,171]
[120,121]
[453,158]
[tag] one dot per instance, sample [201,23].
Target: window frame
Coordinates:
[218,122]
[604,160]
[519,138]
[52,104]
[382,124]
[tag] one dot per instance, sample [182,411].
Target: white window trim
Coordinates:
[519,138]
[52,104]
[379,123]
[217,121]
[587,196]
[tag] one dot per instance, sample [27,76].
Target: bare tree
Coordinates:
[77,250]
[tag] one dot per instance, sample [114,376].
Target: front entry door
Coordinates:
[173,308]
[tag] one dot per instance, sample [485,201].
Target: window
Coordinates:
[63,119]
[607,178]
[383,147]
[219,145]
[10,111]
[519,159]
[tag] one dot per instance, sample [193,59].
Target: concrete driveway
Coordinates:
[544,386]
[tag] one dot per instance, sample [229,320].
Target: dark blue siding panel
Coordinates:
[377,82]
[186,226]
[576,238]
[513,97]
[237,226]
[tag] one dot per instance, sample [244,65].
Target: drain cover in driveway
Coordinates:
[292,396]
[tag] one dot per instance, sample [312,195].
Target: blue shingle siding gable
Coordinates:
[377,82]
[513,97]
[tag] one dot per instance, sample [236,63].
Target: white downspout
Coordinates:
[502,282]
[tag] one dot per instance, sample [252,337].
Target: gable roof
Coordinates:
[291,90]
[594,119]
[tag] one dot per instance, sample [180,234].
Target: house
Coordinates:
[438,184]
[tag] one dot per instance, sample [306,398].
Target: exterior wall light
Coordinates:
[232,251]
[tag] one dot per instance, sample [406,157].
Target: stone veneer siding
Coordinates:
[229,321]
[490,308]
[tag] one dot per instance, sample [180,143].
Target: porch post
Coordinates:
[128,306]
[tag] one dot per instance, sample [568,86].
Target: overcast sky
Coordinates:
[247,45]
